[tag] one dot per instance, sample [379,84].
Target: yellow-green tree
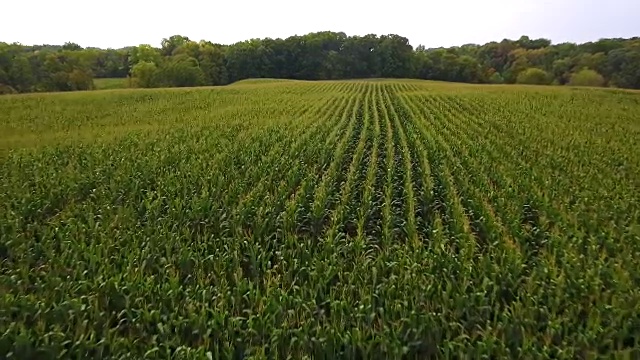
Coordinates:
[587,77]
[533,76]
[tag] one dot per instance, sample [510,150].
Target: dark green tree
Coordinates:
[624,66]
[172,43]
[180,71]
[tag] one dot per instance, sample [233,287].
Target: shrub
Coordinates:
[496,78]
[533,76]
[144,74]
[80,80]
[6,89]
[181,71]
[586,77]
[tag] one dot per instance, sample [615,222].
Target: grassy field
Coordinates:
[325,219]
[111,83]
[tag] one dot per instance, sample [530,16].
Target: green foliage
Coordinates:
[468,70]
[561,70]
[496,78]
[211,59]
[526,43]
[80,80]
[173,43]
[395,54]
[518,62]
[180,71]
[71,46]
[533,76]
[145,74]
[44,70]
[338,219]
[587,77]
[321,56]
[20,74]
[624,64]
[109,63]
[144,53]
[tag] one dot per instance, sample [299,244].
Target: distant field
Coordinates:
[264,81]
[352,219]
[111,83]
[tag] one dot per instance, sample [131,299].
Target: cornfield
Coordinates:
[353,219]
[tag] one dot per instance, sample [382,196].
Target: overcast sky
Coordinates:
[119,23]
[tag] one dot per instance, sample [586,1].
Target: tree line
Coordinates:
[320,56]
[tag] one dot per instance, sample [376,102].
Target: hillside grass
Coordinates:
[111,83]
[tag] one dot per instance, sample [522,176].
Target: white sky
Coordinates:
[119,23]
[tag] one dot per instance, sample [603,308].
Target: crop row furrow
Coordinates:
[411,230]
[421,169]
[299,128]
[276,182]
[298,204]
[549,245]
[529,224]
[445,198]
[344,207]
[323,197]
[530,165]
[367,207]
[493,241]
[302,206]
[390,200]
[475,202]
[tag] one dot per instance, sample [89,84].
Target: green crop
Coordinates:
[353,219]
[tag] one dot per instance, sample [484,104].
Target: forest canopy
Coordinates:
[327,55]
